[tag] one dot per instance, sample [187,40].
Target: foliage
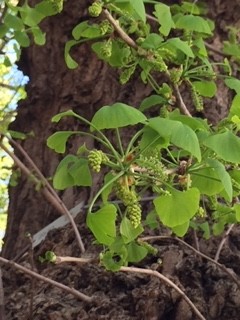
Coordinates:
[189,166]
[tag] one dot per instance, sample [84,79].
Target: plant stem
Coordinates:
[102,189]
[72,291]
[119,142]
[168,282]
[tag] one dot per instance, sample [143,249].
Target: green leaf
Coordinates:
[237,210]
[152,101]
[78,29]
[58,140]
[199,43]
[31,16]
[127,230]
[206,230]
[163,14]
[22,38]
[59,116]
[116,116]
[218,227]
[223,176]
[181,45]
[235,110]
[139,8]
[205,88]
[178,208]
[72,171]
[207,181]
[72,64]
[86,30]
[136,252]
[152,41]
[81,173]
[226,145]
[193,23]
[181,230]
[194,123]
[39,36]
[102,224]
[233,84]
[151,140]
[62,178]
[46,8]
[13,22]
[231,49]
[114,261]
[180,135]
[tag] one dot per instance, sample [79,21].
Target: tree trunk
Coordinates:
[54,88]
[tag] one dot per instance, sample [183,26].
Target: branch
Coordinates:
[167,281]
[50,195]
[182,105]
[76,293]
[123,35]
[224,239]
[8,86]
[138,270]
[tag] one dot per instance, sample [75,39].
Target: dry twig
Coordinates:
[47,190]
[224,239]
[167,281]
[79,295]
[232,275]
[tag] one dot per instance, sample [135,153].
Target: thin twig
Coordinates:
[214,49]
[123,35]
[60,259]
[72,291]
[232,275]
[139,270]
[32,289]
[168,281]
[52,191]
[182,105]
[52,196]
[224,239]
[8,86]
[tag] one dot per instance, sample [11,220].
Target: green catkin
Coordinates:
[96,158]
[106,48]
[105,27]
[57,5]
[175,74]
[130,199]
[95,9]
[159,64]
[126,195]
[167,54]
[134,213]
[148,246]
[126,74]
[196,98]
[153,165]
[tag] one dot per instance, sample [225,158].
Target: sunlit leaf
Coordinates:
[177,208]
[116,116]
[102,224]
[226,145]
